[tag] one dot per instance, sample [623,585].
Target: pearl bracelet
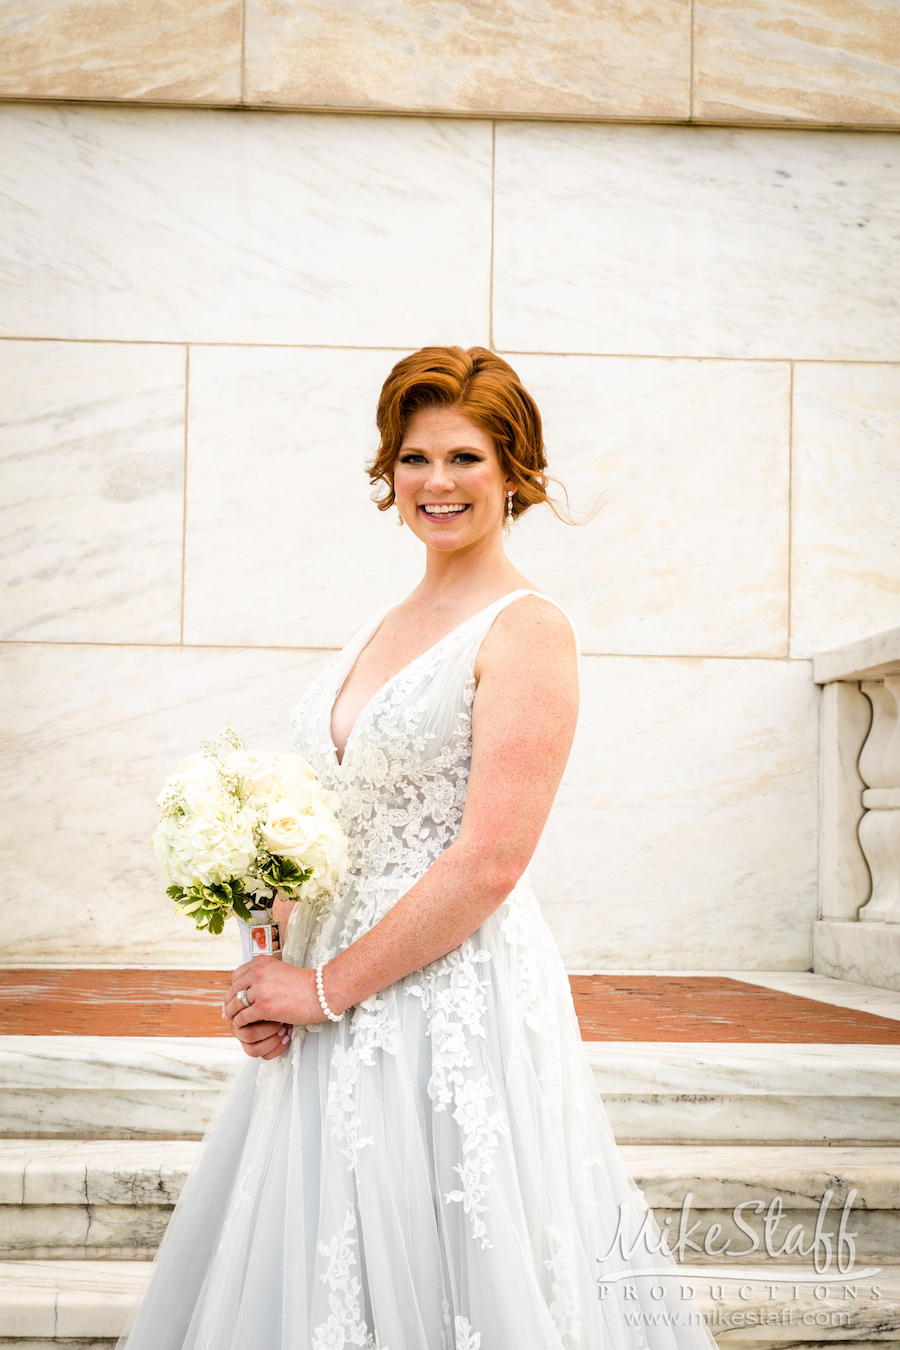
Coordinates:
[320,990]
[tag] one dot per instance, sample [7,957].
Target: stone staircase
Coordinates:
[98,1133]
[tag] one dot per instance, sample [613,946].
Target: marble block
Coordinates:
[682,1069]
[550,60]
[876,1235]
[845,503]
[94,1088]
[195,225]
[172,50]
[92,447]
[166,1088]
[684,833]
[745,1311]
[727,1175]
[87,1301]
[91,733]
[688,554]
[696,241]
[831,61]
[276,452]
[768,1119]
[866,952]
[102,1172]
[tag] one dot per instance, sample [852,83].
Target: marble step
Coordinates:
[112,1199]
[655,1092]
[693,1093]
[52,1303]
[706,1198]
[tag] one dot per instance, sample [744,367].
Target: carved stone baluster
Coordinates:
[879,829]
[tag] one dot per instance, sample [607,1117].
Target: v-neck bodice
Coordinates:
[402,782]
[364,635]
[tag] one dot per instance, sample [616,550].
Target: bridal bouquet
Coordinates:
[238,825]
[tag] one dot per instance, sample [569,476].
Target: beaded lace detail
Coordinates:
[401,795]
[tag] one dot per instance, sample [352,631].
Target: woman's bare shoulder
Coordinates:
[531,629]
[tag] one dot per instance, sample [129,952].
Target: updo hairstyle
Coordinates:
[483,387]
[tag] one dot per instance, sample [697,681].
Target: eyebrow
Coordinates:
[414,449]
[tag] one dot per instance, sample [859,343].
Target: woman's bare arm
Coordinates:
[524,715]
[523,721]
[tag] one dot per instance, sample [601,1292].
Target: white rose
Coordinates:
[297,767]
[196,769]
[201,795]
[256,767]
[289,791]
[286,831]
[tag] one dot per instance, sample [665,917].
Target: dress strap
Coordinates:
[505,600]
[487,617]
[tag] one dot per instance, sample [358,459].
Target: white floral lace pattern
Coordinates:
[401,794]
[533,1003]
[341,1107]
[373,1026]
[453,999]
[345,1325]
[561,1264]
[481,1131]
[466,1338]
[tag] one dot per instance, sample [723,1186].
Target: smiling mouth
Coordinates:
[435,511]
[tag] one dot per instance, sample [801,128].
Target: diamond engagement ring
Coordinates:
[242,997]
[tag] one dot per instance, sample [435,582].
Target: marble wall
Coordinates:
[819,62]
[198,308]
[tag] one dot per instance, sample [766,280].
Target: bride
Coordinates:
[415,1157]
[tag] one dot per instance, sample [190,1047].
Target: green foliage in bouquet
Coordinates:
[285,875]
[210,906]
[238,826]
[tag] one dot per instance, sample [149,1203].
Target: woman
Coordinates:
[425,1164]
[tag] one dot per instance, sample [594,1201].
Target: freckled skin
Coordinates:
[523,722]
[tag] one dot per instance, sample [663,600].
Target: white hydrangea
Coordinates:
[240,824]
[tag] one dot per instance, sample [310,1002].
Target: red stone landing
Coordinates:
[122,1002]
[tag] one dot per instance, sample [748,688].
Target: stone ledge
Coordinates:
[40,1172]
[865,952]
[654,1092]
[869,659]
[82,1299]
[45,1215]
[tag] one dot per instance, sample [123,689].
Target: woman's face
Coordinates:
[448,483]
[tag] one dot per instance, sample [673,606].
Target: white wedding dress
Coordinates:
[436,1171]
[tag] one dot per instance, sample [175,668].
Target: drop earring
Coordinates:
[509,506]
[399,520]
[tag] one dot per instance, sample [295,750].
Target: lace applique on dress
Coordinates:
[564,1307]
[374,1026]
[466,1338]
[453,998]
[481,1131]
[341,1107]
[344,1325]
[533,1003]
[401,796]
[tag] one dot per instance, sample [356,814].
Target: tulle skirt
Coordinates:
[435,1172]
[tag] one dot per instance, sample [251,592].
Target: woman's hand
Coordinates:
[281,997]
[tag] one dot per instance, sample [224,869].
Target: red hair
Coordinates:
[488,391]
